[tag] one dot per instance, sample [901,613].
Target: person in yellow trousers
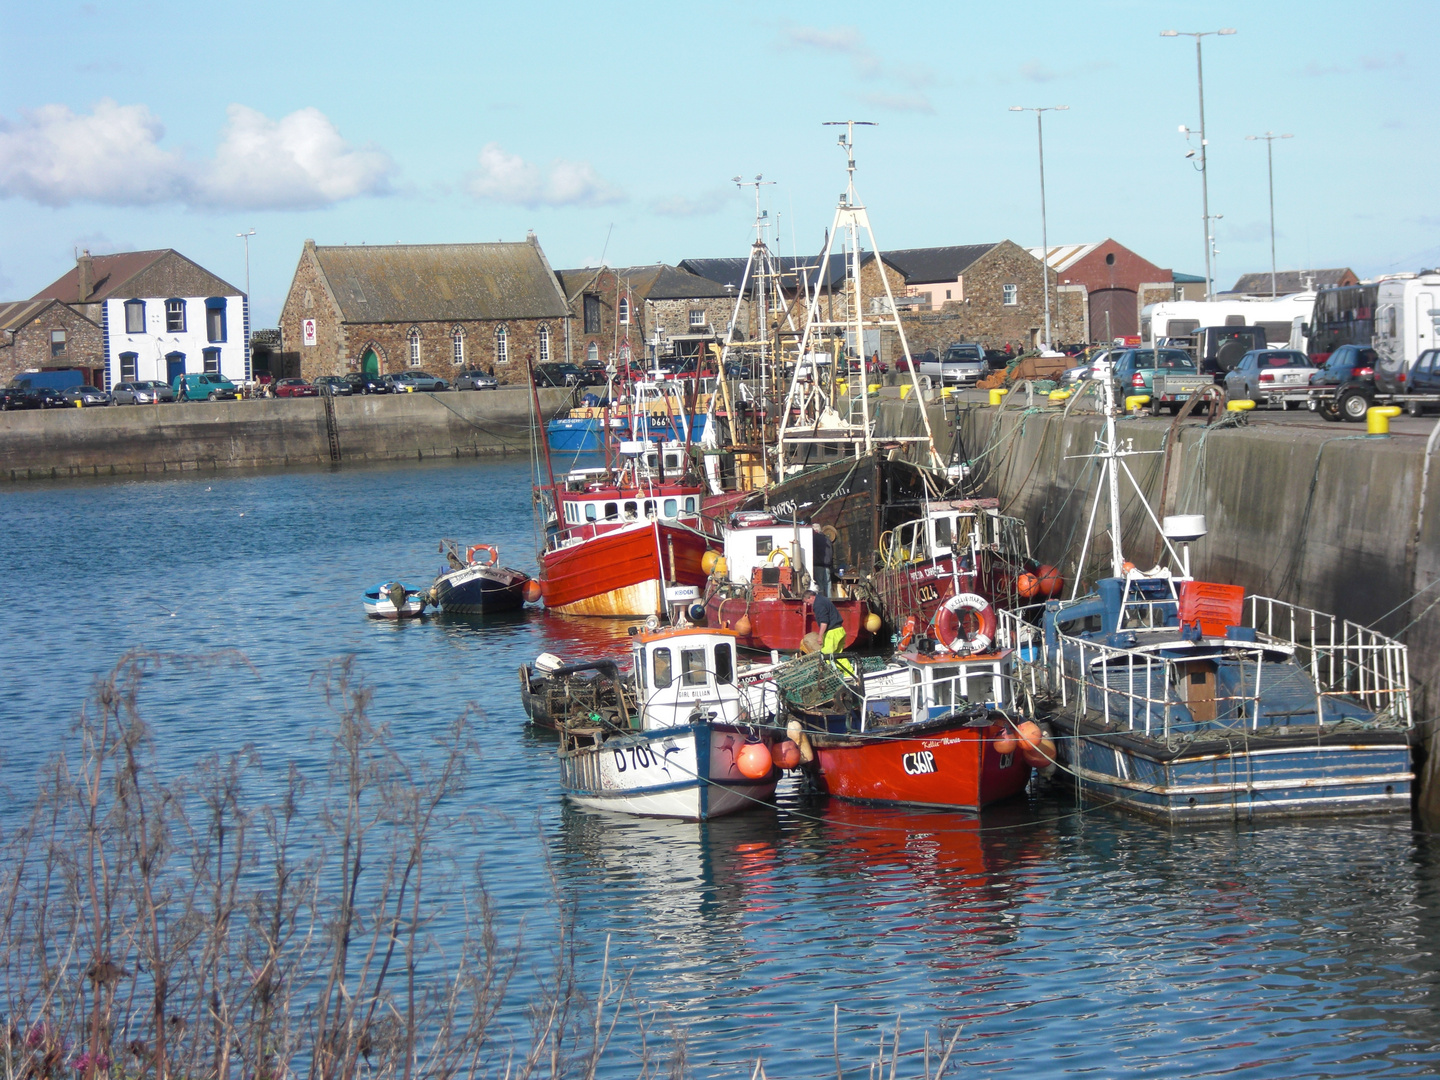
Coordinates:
[829,626]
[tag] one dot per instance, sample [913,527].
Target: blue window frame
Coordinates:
[135,316]
[212,360]
[215,319]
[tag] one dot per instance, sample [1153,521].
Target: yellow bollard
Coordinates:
[1240,405]
[996,395]
[905,389]
[81,405]
[1059,395]
[841,385]
[1135,401]
[873,388]
[946,392]
[1377,418]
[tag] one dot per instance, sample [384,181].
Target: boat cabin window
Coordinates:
[661,659]
[591,511]
[612,511]
[649,508]
[724,664]
[638,663]
[942,533]
[672,462]
[944,688]
[692,667]
[632,510]
[764,545]
[689,504]
[672,507]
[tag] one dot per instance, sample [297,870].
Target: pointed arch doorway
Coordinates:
[370,363]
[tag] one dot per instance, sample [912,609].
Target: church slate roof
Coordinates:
[441,282]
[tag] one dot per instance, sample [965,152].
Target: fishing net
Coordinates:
[812,680]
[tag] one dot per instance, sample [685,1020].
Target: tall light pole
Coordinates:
[1204,176]
[246,237]
[1270,138]
[1044,234]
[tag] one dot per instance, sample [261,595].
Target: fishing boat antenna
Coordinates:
[811,413]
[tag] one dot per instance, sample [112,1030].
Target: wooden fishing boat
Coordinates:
[476,583]
[684,745]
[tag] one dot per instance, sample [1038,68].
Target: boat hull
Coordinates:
[779,623]
[378,604]
[477,590]
[1292,775]
[618,574]
[681,772]
[952,768]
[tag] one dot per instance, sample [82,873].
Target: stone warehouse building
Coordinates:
[36,335]
[441,307]
[616,312]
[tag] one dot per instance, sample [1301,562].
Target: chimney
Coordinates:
[86,267]
[531,237]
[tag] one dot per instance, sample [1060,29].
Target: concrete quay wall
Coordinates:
[1326,519]
[271,432]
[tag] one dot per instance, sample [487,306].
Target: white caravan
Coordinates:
[1407,322]
[1285,319]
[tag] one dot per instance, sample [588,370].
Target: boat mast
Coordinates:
[809,414]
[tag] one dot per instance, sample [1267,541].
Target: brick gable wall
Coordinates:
[84,344]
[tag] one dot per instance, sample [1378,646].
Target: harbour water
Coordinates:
[1064,941]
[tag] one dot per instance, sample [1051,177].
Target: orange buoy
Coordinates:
[1029,734]
[1127,566]
[708,561]
[1004,739]
[786,754]
[754,761]
[1050,581]
[742,626]
[1027,585]
[532,591]
[1039,755]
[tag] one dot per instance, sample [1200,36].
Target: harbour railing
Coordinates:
[1144,691]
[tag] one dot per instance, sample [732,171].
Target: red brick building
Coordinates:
[1111,282]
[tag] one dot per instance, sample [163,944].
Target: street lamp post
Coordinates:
[1204,176]
[1044,234]
[246,237]
[1270,138]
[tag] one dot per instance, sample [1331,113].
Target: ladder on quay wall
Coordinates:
[331,428]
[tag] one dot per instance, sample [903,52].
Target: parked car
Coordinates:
[1348,379]
[145,392]
[334,385]
[1422,378]
[735,369]
[1074,375]
[46,397]
[596,372]
[961,364]
[929,356]
[1270,377]
[203,386]
[558,375]
[295,388]
[475,379]
[405,382]
[361,383]
[16,397]
[87,395]
[1168,376]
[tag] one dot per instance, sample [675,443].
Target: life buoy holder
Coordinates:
[966,623]
[907,632]
[770,559]
[493,551]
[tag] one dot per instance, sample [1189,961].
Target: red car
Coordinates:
[295,388]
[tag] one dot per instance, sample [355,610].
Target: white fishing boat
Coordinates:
[687,740]
[394,600]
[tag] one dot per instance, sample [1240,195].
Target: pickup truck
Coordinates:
[1168,376]
[962,364]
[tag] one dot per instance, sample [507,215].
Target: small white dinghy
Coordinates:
[685,743]
[394,600]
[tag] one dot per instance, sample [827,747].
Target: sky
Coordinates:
[614,130]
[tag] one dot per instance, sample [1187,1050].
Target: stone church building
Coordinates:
[440,307]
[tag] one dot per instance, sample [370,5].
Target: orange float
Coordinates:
[754,761]
[1003,738]
[1050,581]
[1027,585]
[786,754]
[532,591]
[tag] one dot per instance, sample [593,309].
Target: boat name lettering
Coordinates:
[640,758]
[838,493]
[918,763]
[784,509]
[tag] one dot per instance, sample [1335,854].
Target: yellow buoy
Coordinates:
[872,623]
[708,561]
[1377,418]
[720,567]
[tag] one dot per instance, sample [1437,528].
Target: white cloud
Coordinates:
[297,162]
[54,157]
[113,156]
[509,178]
[1383,63]
[680,206]
[899,102]
[845,40]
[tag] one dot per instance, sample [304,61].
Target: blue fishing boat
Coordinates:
[584,434]
[1188,700]
[394,600]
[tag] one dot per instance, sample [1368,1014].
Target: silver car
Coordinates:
[143,392]
[87,395]
[1270,377]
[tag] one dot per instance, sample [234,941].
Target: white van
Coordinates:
[1407,322]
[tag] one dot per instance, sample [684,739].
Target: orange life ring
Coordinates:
[907,632]
[966,623]
[491,548]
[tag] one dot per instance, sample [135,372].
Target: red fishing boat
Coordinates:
[760,588]
[937,729]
